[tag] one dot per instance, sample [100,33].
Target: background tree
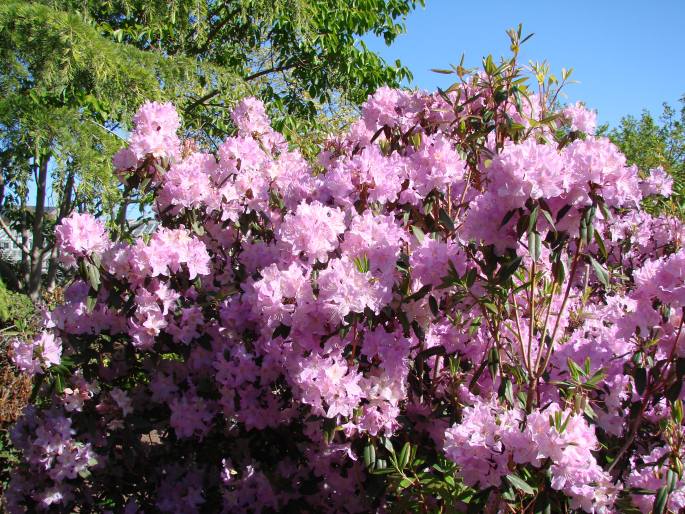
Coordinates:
[73,72]
[650,143]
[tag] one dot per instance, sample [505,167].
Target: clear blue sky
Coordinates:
[627,55]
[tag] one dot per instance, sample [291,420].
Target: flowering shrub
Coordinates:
[460,306]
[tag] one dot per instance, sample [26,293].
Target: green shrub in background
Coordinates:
[17,311]
[649,142]
[17,318]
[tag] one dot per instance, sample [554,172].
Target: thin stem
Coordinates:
[267,71]
[531,325]
[467,182]
[574,267]
[518,329]
[634,427]
[544,327]
[110,131]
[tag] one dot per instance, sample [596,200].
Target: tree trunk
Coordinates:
[52,270]
[24,263]
[37,254]
[123,207]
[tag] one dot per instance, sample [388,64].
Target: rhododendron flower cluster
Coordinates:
[81,235]
[460,305]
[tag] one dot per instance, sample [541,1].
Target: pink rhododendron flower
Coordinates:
[658,182]
[580,118]
[81,235]
[313,230]
[154,132]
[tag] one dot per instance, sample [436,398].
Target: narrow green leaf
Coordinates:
[507,217]
[433,304]
[490,306]
[446,220]
[508,269]
[660,501]
[418,330]
[549,219]
[388,445]
[369,456]
[404,455]
[602,274]
[600,244]
[419,294]
[533,219]
[418,233]
[520,484]
[671,480]
[562,212]
[640,377]
[470,278]
[534,245]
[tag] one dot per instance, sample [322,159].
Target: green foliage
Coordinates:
[67,87]
[17,312]
[649,143]
[17,317]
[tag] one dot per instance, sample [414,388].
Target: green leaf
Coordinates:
[600,244]
[659,506]
[493,361]
[418,330]
[677,411]
[91,302]
[602,274]
[406,482]
[490,306]
[433,304]
[446,220]
[90,273]
[508,269]
[418,233]
[369,456]
[59,383]
[404,456]
[362,264]
[472,273]
[642,491]
[507,217]
[520,484]
[562,212]
[419,294]
[415,139]
[549,219]
[640,377]
[533,220]
[559,271]
[388,445]
[671,480]
[673,392]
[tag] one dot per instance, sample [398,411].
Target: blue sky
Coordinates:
[627,55]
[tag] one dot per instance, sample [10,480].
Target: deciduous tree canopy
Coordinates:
[73,72]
